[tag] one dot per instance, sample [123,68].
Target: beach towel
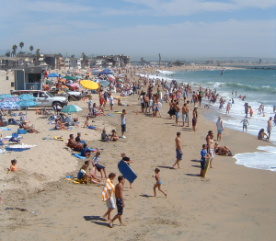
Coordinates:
[108,190]
[53,129]
[91,127]
[111,115]
[5,129]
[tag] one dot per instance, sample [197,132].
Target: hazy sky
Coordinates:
[142,28]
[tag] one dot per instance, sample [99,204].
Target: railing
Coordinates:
[33,86]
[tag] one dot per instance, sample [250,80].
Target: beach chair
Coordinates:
[14,139]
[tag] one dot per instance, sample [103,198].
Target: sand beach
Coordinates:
[231,203]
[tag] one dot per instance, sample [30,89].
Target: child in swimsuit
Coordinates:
[13,167]
[158,182]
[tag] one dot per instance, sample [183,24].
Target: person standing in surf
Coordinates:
[219,128]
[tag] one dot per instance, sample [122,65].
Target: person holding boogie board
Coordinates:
[204,157]
[127,160]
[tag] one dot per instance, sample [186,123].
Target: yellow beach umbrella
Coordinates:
[88,84]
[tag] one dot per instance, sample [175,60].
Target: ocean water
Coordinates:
[258,85]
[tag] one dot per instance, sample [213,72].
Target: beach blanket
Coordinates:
[108,190]
[111,115]
[5,129]
[91,127]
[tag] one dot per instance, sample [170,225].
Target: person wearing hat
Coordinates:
[30,129]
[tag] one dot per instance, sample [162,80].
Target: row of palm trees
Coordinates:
[21,45]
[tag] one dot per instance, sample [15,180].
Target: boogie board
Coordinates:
[127,172]
[207,164]
[59,138]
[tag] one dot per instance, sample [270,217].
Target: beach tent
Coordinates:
[53,75]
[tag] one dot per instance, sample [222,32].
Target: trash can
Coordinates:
[7,77]
[12,84]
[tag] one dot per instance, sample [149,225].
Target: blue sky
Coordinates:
[142,28]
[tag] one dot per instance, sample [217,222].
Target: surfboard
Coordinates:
[207,164]
[117,112]
[127,172]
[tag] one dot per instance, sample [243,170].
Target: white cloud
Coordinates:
[188,7]
[219,39]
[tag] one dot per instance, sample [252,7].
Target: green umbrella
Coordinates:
[49,82]
[69,77]
[71,108]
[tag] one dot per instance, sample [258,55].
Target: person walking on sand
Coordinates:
[211,146]
[194,120]
[187,112]
[184,114]
[204,156]
[179,152]
[219,128]
[127,160]
[107,195]
[119,201]
[158,183]
[177,109]
[269,127]
[123,123]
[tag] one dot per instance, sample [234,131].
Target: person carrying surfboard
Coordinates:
[204,156]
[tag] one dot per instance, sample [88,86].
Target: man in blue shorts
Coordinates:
[204,156]
[179,152]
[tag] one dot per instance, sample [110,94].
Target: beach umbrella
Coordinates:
[65,87]
[111,76]
[69,77]
[26,104]
[11,99]
[71,108]
[78,76]
[96,72]
[104,83]
[9,105]
[25,97]
[49,82]
[3,96]
[91,85]
[107,72]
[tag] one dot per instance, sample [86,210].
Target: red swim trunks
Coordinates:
[101,101]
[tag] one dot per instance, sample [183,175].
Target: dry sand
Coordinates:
[232,203]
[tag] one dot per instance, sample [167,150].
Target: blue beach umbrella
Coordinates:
[3,96]
[9,105]
[26,104]
[26,97]
[11,99]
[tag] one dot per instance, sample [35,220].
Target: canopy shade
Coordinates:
[54,75]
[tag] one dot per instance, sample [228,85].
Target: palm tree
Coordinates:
[14,47]
[159,58]
[142,60]
[72,56]
[31,48]
[8,53]
[37,54]
[83,59]
[21,45]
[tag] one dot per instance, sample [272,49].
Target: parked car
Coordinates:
[44,98]
[70,95]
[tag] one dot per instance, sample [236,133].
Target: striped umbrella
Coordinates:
[9,105]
